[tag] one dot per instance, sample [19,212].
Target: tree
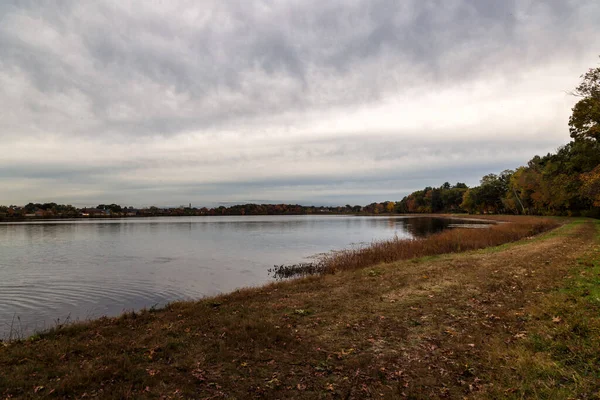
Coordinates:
[471,200]
[492,190]
[591,185]
[389,206]
[452,198]
[585,120]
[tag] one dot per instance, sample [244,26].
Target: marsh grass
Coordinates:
[297,270]
[454,240]
[15,329]
[449,241]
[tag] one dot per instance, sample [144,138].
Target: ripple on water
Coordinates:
[80,299]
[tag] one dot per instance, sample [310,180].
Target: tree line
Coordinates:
[54,210]
[566,182]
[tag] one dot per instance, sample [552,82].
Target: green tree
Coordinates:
[492,190]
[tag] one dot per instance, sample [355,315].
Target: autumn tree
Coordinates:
[389,206]
[446,198]
[585,120]
[471,202]
[591,185]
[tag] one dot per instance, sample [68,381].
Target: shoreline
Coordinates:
[494,219]
[38,319]
[429,327]
[20,333]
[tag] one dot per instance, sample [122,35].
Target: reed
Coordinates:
[296,270]
[449,241]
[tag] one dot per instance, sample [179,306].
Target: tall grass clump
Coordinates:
[448,241]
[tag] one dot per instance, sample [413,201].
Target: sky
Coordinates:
[332,102]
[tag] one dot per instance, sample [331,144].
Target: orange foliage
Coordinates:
[591,185]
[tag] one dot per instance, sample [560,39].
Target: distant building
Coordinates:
[94,212]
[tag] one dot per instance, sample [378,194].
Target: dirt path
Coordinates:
[427,328]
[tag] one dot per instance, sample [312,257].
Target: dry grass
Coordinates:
[448,241]
[476,324]
[557,354]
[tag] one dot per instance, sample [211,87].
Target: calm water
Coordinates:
[87,268]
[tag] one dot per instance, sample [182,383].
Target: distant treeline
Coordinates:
[563,183]
[54,210]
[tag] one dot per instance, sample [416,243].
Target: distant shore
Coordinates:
[463,216]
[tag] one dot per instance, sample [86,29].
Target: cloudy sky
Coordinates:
[318,102]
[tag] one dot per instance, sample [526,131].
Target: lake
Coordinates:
[79,269]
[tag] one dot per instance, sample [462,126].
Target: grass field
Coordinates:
[520,320]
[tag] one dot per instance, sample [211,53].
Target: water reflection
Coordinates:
[424,226]
[87,268]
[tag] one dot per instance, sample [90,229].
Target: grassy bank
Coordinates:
[518,320]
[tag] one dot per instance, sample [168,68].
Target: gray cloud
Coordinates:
[118,97]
